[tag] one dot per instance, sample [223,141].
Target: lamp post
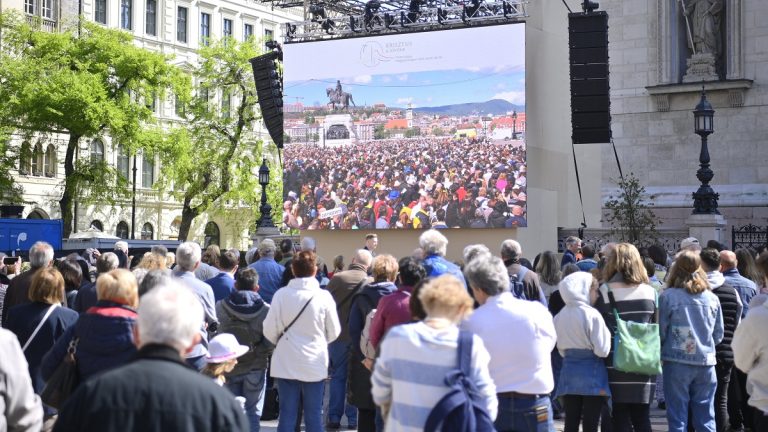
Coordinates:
[514,125]
[265,221]
[704,199]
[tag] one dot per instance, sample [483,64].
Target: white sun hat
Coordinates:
[224,347]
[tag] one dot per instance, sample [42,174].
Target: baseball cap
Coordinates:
[690,241]
[224,347]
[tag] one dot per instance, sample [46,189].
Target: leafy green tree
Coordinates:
[213,160]
[10,191]
[83,83]
[630,216]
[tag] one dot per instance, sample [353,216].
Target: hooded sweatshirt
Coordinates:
[578,324]
[248,307]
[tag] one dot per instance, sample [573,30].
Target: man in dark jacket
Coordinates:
[342,287]
[156,392]
[511,252]
[223,284]
[86,296]
[242,314]
[40,255]
[731,307]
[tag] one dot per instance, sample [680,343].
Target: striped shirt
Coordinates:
[637,304]
[410,373]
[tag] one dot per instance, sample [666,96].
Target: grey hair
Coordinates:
[308,244]
[433,242]
[511,249]
[108,261]
[474,250]
[249,256]
[122,245]
[139,273]
[572,240]
[487,274]
[40,254]
[188,254]
[169,315]
[363,257]
[235,252]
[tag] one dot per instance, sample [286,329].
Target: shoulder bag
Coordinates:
[285,330]
[64,380]
[39,326]
[636,346]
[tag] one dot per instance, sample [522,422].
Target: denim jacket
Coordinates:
[690,325]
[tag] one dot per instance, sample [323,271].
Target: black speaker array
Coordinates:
[269,89]
[590,90]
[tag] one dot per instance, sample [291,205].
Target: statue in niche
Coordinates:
[703,24]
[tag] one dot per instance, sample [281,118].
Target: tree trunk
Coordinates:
[188,214]
[70,185]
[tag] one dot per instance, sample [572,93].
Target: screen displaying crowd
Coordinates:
[406,183]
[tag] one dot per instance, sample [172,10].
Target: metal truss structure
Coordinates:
[346,19]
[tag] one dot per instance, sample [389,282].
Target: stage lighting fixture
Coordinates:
[507,9]
[328,25]
[290,31]
[413,11]
[590,6]
[352,23]
[317,12]
[441,15]
[388,20]
[370,9]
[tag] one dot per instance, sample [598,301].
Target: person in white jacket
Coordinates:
[20,407]
[584,341]
[750,351]
[301,322]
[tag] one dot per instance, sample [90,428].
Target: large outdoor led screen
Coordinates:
[411,131]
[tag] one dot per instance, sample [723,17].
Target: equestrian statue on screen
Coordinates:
[337,96]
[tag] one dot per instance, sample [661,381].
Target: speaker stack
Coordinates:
[269,89]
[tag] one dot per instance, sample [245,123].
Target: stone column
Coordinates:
[707,227]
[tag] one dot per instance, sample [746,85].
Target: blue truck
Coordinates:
[18,235]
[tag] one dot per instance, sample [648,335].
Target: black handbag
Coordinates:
[64,380]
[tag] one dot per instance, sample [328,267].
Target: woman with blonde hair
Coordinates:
[626,288]
[428,345]
[548,269]
[39,324]
[691,324]
[102,338]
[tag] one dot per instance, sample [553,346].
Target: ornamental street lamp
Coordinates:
[265,221]
[514,125]
[704,199]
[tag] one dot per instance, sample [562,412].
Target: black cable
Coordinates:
[567,7]
[616,155]
[578,185]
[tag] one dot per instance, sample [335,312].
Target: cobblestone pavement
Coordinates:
[658,422]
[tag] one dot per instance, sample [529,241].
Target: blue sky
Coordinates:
[423,89]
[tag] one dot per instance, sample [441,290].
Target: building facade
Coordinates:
[174,27]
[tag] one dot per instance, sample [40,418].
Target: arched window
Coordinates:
[97,151]
[147,171]
[98,225]
[147,231]
[25,157]
[212,234]
[122,230]
[37,160]
[37,214]
[123,163]
[50,161]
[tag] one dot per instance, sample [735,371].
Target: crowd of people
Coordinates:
[406,183]
[194,341]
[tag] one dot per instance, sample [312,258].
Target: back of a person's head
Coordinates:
[286,246]
[710,259]
[228,261]
[119,286]
[107,262]
[568,269]
[548,268]
[47,286]
[650,267]
[384,268]
[267,248]
[71,272]
[154,279]
[686,273]
[445,297]
[40,254]
[511,249]
[308,244]
[411,271]
[152,261]
[169,315]
[188,255]
[433,242]
[246,280]
[658,254]
[159,250]
[714,244]
[470,252]
[363,257]
[587,251]
[211,255]
[303,264]
[625,260]
[746,264]
[487,274]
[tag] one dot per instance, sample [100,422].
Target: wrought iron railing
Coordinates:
[669,238]
[749,236]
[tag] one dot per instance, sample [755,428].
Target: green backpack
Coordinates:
[636,346]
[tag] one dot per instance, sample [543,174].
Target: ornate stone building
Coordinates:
[661,53]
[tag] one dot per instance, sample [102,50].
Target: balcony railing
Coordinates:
[49,25]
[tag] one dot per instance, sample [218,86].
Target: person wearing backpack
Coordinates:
[584,341]
[524,283]
[359,379]
[416,360]
[242,314]
[519,336]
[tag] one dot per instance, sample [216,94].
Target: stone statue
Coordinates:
[702,25]
[703,20]
[337,96]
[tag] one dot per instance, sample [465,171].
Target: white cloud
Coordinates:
[362,79]
[386,79]
[404,100]
[472,68]
[501,86]
[403,77]
[515,97]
